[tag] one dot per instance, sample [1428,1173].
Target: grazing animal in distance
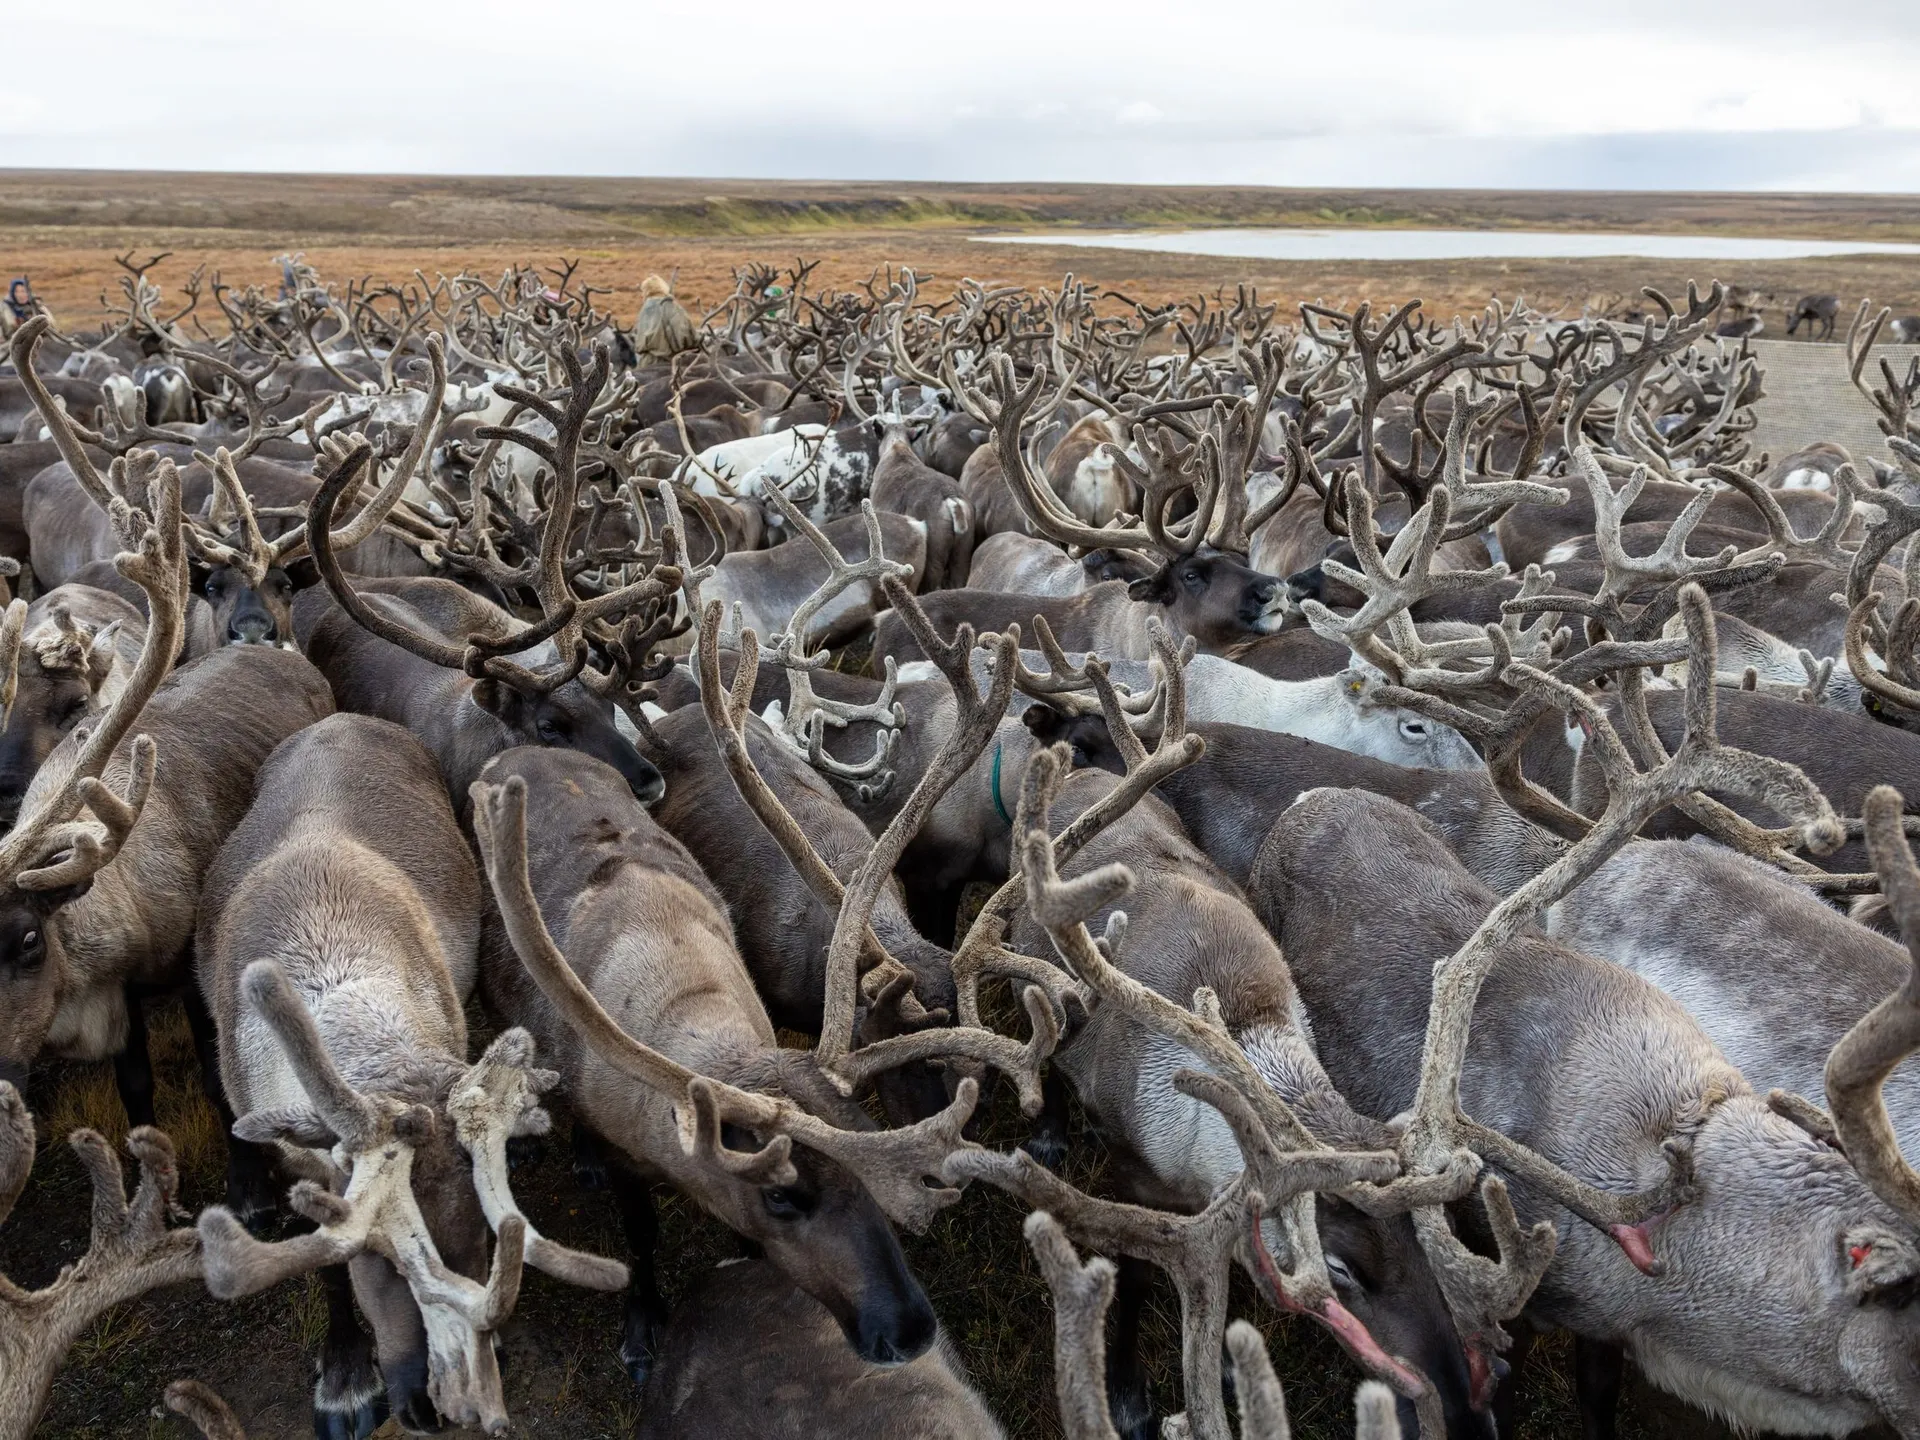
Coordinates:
[1816,311]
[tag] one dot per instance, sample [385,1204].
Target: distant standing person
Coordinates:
[663,329]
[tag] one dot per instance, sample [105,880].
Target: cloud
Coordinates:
[1642,94]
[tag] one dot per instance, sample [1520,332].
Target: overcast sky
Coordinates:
[1671,94]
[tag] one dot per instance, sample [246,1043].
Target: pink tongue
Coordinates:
[1479,1378]
[1359,1340]
[1633,1239]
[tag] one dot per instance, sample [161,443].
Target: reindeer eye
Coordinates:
[1414,729]
[784,1203]
[1340,1274]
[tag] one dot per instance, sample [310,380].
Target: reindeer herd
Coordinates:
[1430,796]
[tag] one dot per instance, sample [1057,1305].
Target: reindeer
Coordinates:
[90,936]
[77,647]
[1549,1015]
[1816,310]
[393,655]
[1190,927]
[792,1166]
[350,886]
[748,1353]
[1029,566]
[642,934]
[905,485]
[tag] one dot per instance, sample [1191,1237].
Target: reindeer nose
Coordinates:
[252,630]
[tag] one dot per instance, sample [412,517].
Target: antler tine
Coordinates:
[129,1252]
[1670,561]
[1860,1063]
[203,1408]
[496,1099]
[1477,504]
[1826,546]
[26,340]
[251,555]
[1081,1295]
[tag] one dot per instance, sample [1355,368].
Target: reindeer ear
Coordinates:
[493,697]
[1156,589]
[295,1124]
[1880,1265]
[1045,722]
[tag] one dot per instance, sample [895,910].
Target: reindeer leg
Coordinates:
[253,1189]
[1506,1400]
[646,1312]
[935,911]
[1127,1397]
[1048,1142]
[133,1066]
[1598,1369]
[349,1402]
[589,1159]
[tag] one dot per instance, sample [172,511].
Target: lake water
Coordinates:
[1352,244]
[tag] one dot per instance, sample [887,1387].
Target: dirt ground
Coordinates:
[63,228]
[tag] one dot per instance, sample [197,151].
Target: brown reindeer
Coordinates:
[87,937]
[905,485]
[466,677]
[78,647]
[749,1356]
[351,880]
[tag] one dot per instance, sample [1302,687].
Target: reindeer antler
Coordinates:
[131,1252]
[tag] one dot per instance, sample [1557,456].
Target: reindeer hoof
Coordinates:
[525,1150]
[348,1402]
[589,1161]
[638,1347]
[254,1200]
[1049,1150]
[1132,1410]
